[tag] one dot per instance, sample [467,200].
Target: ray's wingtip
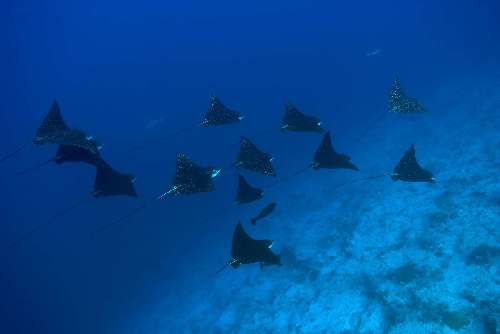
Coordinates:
[215,172]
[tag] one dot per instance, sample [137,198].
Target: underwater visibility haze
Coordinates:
[250,167]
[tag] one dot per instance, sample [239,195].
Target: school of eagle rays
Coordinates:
[77,146]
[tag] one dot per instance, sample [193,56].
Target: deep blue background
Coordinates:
[115,65]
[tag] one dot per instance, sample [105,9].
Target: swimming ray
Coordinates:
[408,169]
[219,114]
[52,124]
[189,178]
[399,102]
[294,120]
[54,130]
[246,250]
[246,193]
[251,158]
[326,156]
[109,182]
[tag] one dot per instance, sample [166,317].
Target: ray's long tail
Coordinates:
[49,222]
[14,153]
[35,167]
[157,141]
[135,211]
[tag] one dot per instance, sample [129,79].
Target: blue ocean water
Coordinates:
[371,257]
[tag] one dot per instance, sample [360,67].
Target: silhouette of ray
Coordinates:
[219,114]
[251,158]
[399,102]
[294,120]
[191,178]
[246,250]
[54,130]
[327,157]
[108,182]
[408,169]
[246,193]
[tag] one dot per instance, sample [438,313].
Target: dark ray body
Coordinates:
[266,211]
[246,193]
[399,102]
[245,250]
[191,178]
[327,157]
[253,159]
[54,130]
[219,114]
[294,120]
[109,182]
[408,169]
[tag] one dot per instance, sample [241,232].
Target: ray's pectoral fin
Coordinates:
[52,123]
